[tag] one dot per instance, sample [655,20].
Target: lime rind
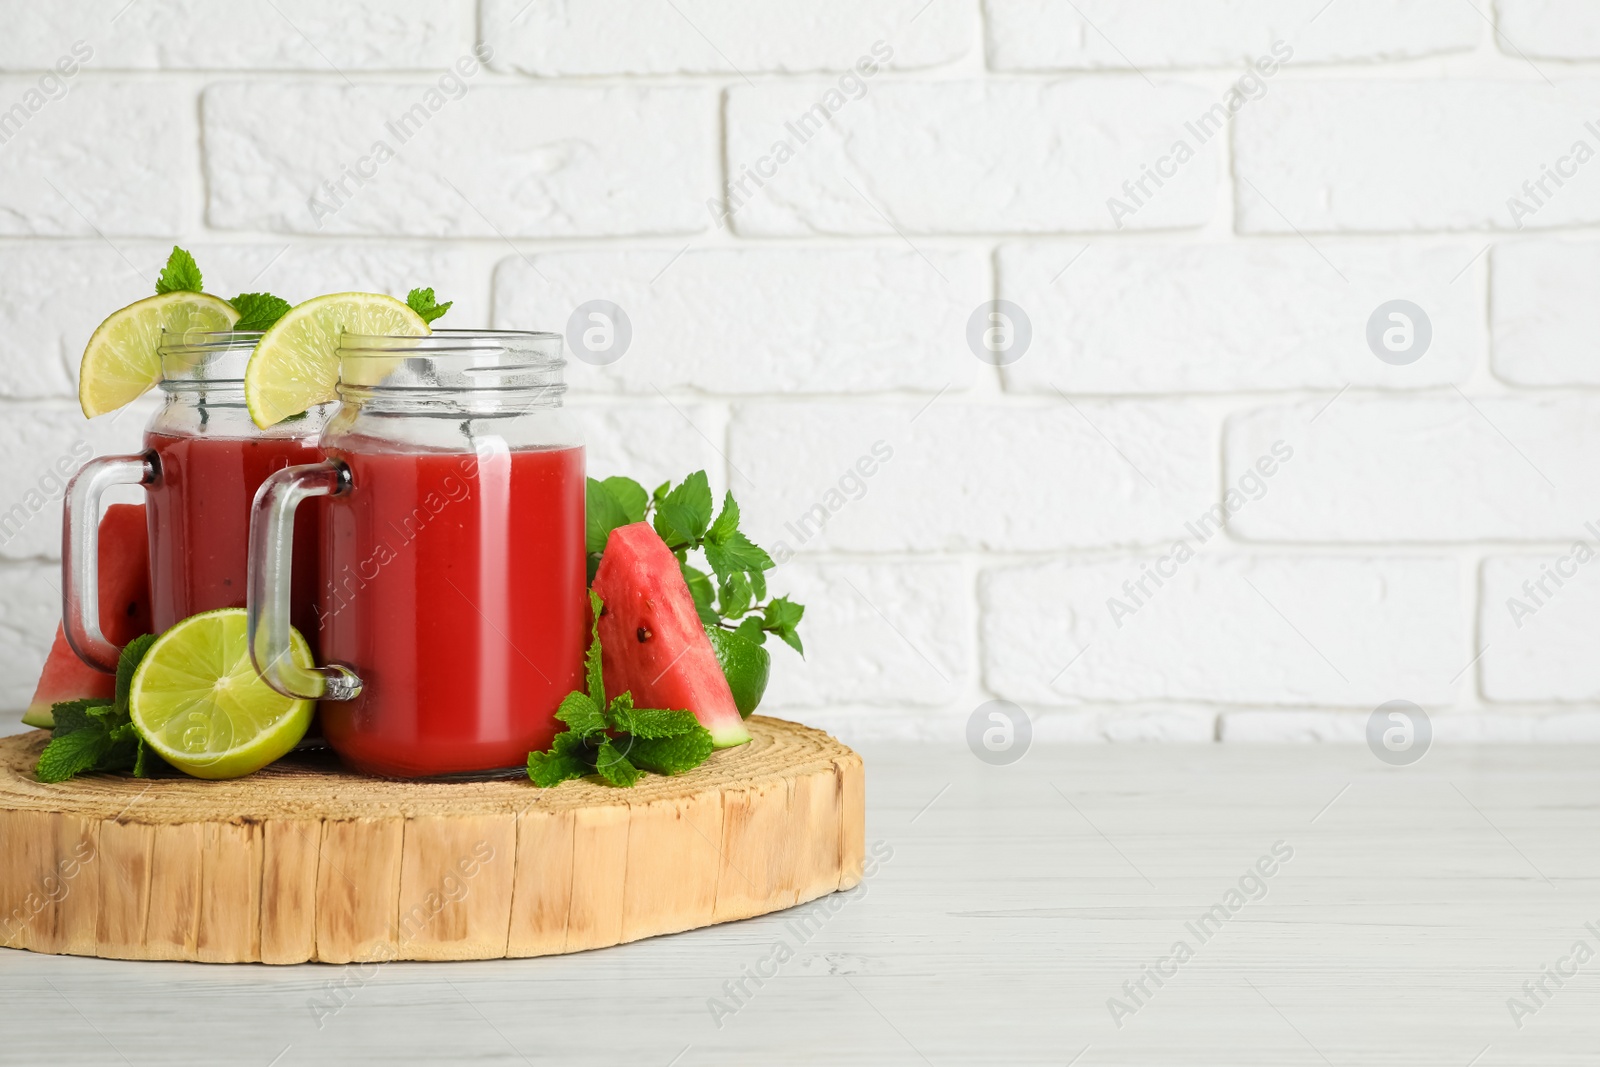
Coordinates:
[295,365]
[746,666]
[200,705]
[122,360]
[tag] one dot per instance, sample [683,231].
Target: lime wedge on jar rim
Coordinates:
[199,703]
[295,365]
[123,358]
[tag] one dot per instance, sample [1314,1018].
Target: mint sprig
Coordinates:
[181,274]
[98,734]
[257,311]
[612,738]
[422,301]
[731,595]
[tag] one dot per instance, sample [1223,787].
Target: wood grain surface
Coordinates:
[305,862]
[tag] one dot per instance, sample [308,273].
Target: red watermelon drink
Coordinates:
[453,603]
[203,461]
[470,630]
[199,514]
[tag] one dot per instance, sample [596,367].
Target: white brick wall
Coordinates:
[1445,468]
[556,37]
[1105,34]
[112,156]
[1370,156]
[519,161]
[1292,630]
[762,320]
[1560,29]
[1536,625]
[1249,317]
[957,476]
[1545,312]
[240,35]
[990,155]
[1198,206]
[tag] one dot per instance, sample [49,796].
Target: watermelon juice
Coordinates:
[455,584]
[199,518]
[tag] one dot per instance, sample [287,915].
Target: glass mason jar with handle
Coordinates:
[202,463]
[452,606]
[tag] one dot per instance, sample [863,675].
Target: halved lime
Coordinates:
[745,664]
[198,701]
[296,363]
[123,358]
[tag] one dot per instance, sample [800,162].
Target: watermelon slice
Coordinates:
[124,568]
[652,642]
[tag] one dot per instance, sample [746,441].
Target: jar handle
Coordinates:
[271,559]
[80,552]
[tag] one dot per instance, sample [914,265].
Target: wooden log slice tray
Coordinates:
[303,861]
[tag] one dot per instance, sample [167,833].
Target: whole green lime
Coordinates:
[745,664]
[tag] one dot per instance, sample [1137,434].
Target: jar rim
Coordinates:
[212,357]
[450,342]
[200,342]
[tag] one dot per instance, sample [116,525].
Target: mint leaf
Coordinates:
[105,716]
[783,612]
[140,770]
[733,595]
[97,735]
[546,769]
[684,513]
[422,302]
[581,714]
[565,761]
[651,723]
[701,590]
[258,311]
[727,522]
[123,755]
[618,710]
[758,585]
[73,715]
[792,639]
[593,664]
[630,495]
[782,616]
[750,629]
[613,767]
[181,274]
[72,754]
[127,663]
[602,513]
[672,755]
[736,553]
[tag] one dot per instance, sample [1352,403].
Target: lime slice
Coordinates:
[124,354]
[296,363]
[199,703]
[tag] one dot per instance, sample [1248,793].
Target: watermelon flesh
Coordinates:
[651,639]
[124,571]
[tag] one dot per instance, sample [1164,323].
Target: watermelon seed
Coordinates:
[643,635]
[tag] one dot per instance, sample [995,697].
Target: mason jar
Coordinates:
[453,605]
[202,463]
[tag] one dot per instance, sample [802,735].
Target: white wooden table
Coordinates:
[1016,902]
